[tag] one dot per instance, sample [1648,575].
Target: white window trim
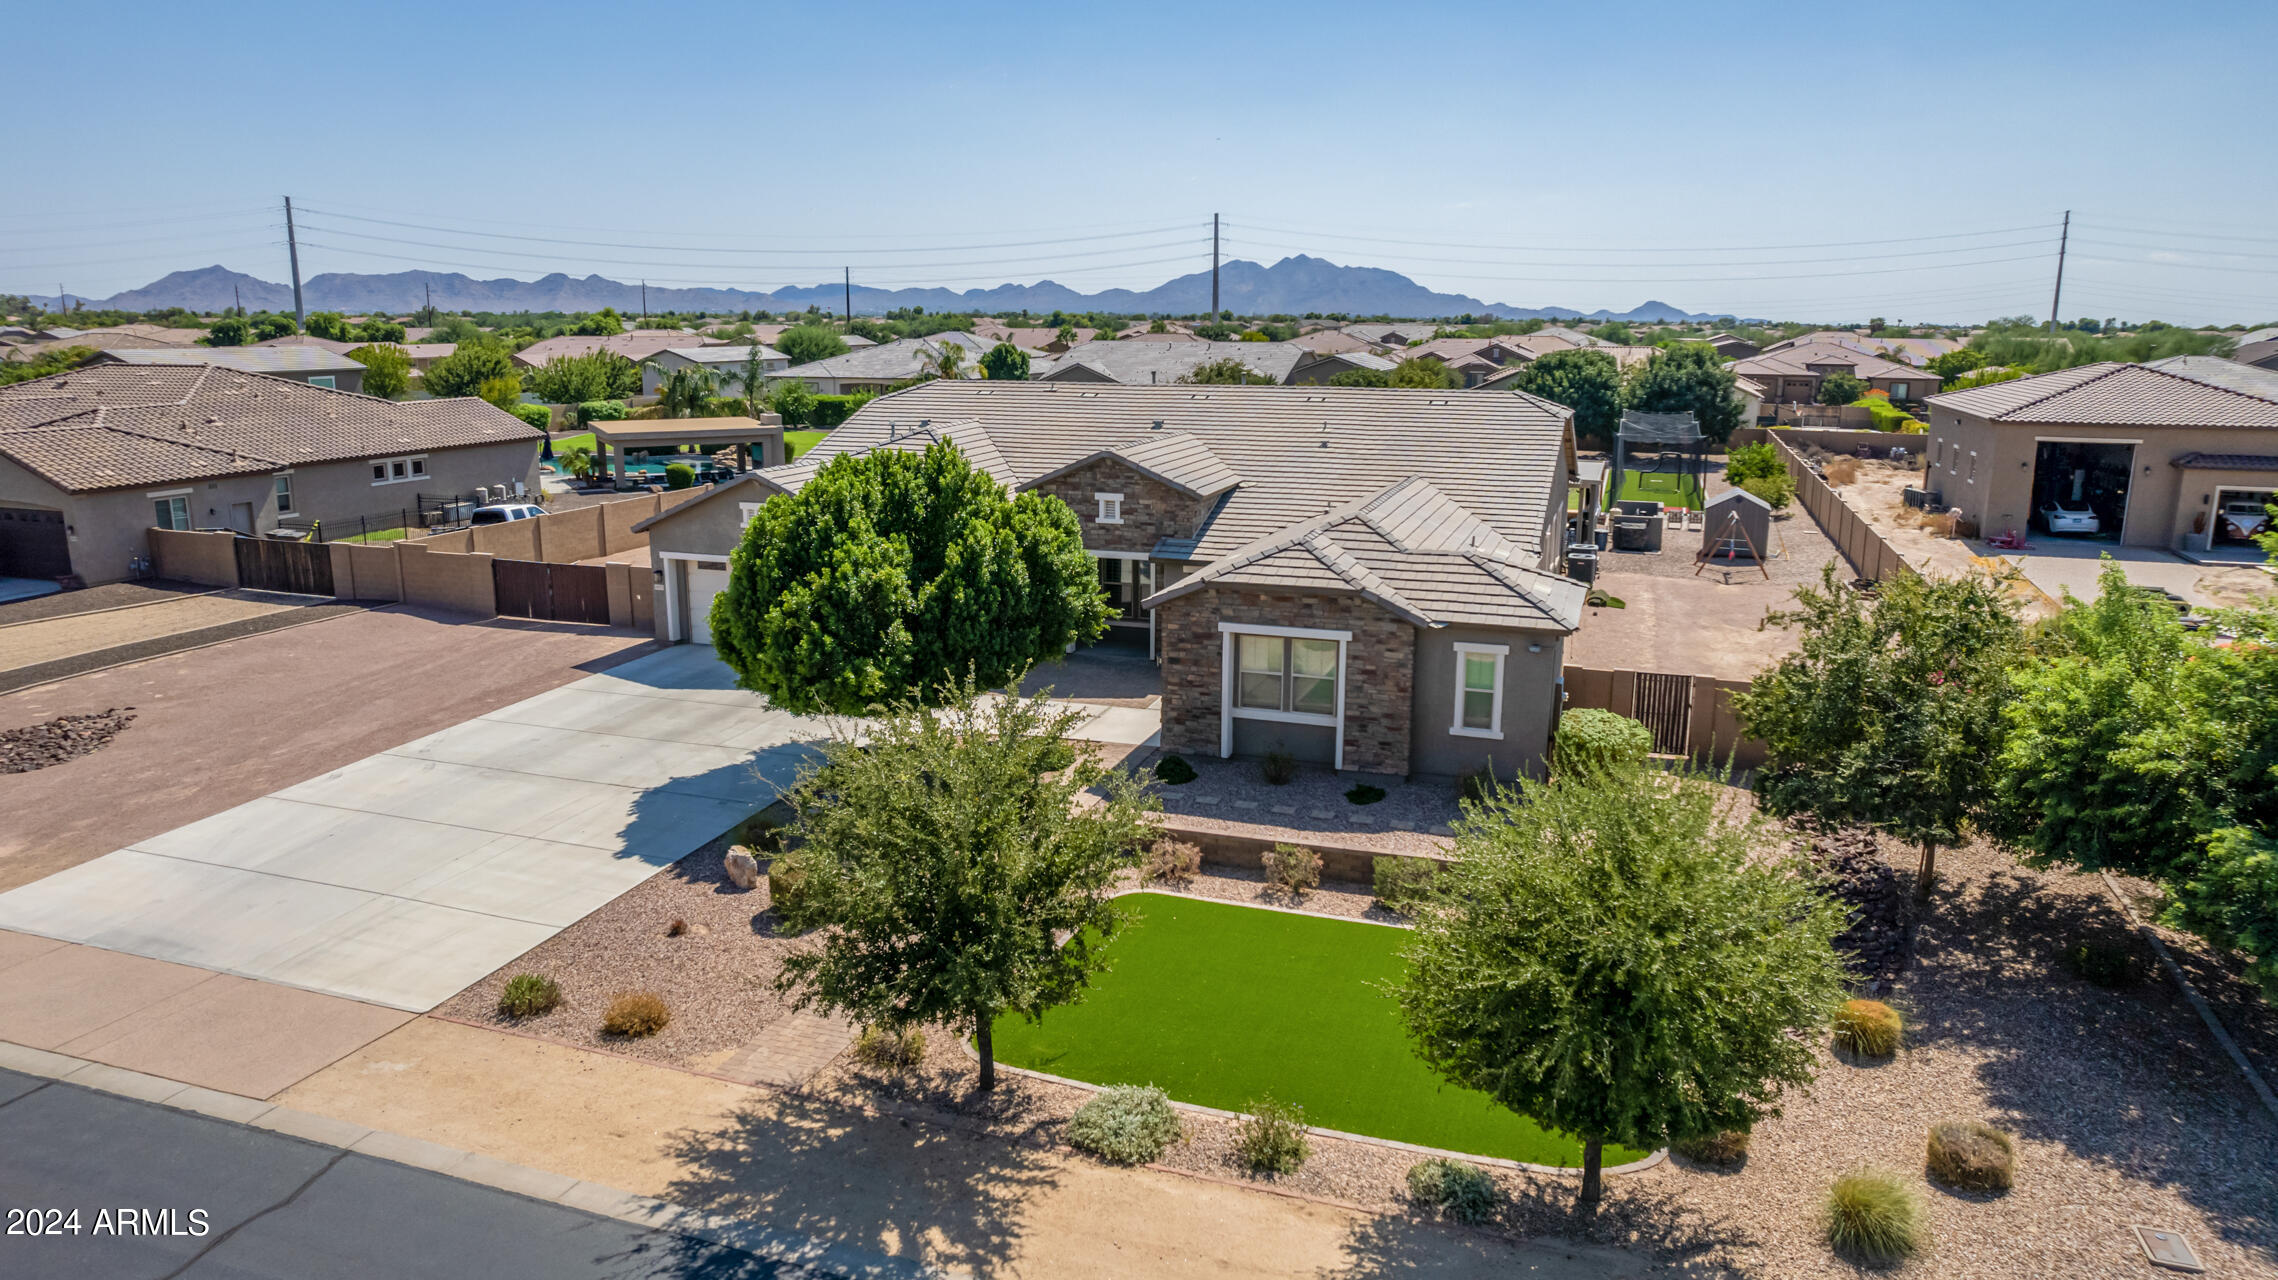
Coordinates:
[750,510]
[408,474]
[329,382]
[1107,502]
[1494,727]
[168,493]
[1228,713]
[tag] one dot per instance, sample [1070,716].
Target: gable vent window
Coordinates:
[1110,507]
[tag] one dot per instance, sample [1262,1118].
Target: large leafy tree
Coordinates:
[379,329]
[464,371]
[229,331]
[600,324]
[387,370]
[1588,382]
[791,400]
[596,375]
[1424,372]
[272,325]
[807,343]
[1889,712]
[1005,363]
[328,324]
[751,377]
[890,573]
[1610,954]
[1839,387]
[948,362]
[1689,376]
[1225,371]
[950,856]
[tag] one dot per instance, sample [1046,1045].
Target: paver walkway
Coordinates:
[790,1051]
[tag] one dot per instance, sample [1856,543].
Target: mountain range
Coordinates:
[1292,286]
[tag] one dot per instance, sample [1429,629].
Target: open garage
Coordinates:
[2070,475]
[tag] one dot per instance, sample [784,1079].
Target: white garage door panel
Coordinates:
[703,584]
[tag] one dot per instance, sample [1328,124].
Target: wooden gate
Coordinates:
[1665,706]
[267,564]
[551,592]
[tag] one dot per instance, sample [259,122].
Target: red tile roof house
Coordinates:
[1363,578]
[1791,375]
[92,459]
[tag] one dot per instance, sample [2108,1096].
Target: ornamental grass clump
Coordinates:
[636,1014]
[1868,1028]
[889,1049]
[1271,1137]
[1402,883]
[1457,1191]
[1873,1217]
[1724,1148]
[1971,1155]
[1125,1124]
[529,994]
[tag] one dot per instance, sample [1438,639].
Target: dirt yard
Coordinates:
[1876,495]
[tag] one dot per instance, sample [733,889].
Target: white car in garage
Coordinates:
[2070,517]
[2244,518]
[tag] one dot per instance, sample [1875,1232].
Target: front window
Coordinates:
[1286,673]
[284,494]
[173,513]
[321,380]
[1479,690]
[1898,390]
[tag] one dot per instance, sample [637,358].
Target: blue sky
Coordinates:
[1786,162]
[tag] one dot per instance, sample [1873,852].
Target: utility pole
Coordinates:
[849,294]
[62,299]
[429,285]
[644,304]
[2063,238]
[237,296]
[1214,268]
[293,247]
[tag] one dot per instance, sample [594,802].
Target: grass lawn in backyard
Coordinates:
[1220,1004]
[567,443]
[798,442]
[377,535]
[1674,490]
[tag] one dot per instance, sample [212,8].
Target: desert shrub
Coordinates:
[1402,882]
[763,832]
[1873,1217]
[1461,1192]
[636,1013]
[1293,867]
[1592,738]
[1842,470]
[1057,756]
[2104,964]
[783,880]
[1170,862]
[528,994]
[1777,490]
[1278,768]
[602,411]
[537,415]
[1749,461]
[1126,1124]
[1868,1028]
[1476,786]
[1972,1155]
[676,928]
[1364,793]
[1724,1147]
[1174,770]
[679,475]
[890,1049]
[1271,1137]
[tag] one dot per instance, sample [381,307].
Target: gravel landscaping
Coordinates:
[62,739]
[1231,795]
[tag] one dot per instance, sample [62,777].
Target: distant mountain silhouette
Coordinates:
[1292,286]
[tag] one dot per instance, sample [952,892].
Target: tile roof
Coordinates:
[1297,453]
[243,359]
[636,346]
[2225,461]
[2118,395]
[116,426]
[2217,371]
[1795,361]
[724,354]
[896,361]
[310,340]
[1333,342]
[29,351]
[1151,362]
[1177,458]
[1445,350]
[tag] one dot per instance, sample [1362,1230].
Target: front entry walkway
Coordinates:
[410,874]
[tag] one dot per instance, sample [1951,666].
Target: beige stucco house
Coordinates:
[1360,577]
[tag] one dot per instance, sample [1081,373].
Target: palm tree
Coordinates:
[686,393]
[949,361]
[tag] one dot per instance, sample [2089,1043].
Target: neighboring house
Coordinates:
[1329,342]
[1318,368]
[1145,362]
[856,341]
[2154,450]
[879,366]
[313,365]
[725,362]
[93,339]
[1392,335]
[1036,338]
[1792,374]
[1363,578]
[1732,347]
[636,346]
[2262,355]
[1905,350]
[91,459]
[1145,332]
[425,354]
[310,340]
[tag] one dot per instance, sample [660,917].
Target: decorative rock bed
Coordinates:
[61,740]
[1879,944]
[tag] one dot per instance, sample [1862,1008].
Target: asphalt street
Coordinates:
[120,1188]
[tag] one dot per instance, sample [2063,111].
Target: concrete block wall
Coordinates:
[448,581]
[206,558]
[1712,733]
[1247,852]
[370,571]
[1871,556]
[514,540]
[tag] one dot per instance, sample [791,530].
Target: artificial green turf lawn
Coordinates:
[1659,486]
[798,442]
[1221,1004]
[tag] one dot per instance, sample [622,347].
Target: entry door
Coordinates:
[241,516]
[706,579]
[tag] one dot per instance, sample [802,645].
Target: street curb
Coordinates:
[800,1256]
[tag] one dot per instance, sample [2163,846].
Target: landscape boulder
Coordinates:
[743,869]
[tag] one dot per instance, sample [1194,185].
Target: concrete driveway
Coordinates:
[405,876]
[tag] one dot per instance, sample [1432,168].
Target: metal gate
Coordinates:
[267,564]
[1665,705]
[551,592]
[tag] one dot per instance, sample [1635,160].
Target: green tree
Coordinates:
[464,371]
[793,401]
[1689,376]
[456,329]
[387,370]
[601,324]
[1225,371]
[1616,332]
[273,326]
[328,324]
[1890,710]
[807,343]
[950,856]
[1588,382]
[47,364]
[596,375]
[1957,362]
[1608,954]
[379,329]
[229,331]
[686,392]
[948,363]
[1839,387]
[1005,363]
[751,375]
[1749,461]
[505,391]
[1427,372]
[891,572]
[1361,378]
[1067,334]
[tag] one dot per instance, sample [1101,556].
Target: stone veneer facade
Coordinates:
[1152,510]
[1380,668]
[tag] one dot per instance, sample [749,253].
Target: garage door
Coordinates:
[32,544]
[706,579]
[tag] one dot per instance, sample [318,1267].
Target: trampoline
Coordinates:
[1660,457]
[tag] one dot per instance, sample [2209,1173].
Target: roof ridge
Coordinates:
[2115,367]
[1348,566]
[2202,382]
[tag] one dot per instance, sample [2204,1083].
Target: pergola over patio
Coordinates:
[612,439]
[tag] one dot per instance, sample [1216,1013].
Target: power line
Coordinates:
[1744,279]
[1661,266]
[718,282]
[706,249]
[641,262]
[1552,248]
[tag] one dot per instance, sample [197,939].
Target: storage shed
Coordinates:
[1739,528]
